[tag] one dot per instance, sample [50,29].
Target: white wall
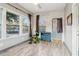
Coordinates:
[11,41]
[8,42]
[75,32]
[34,24]
[68,29]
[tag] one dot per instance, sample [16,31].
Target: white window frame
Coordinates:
[3,33]
[3,24]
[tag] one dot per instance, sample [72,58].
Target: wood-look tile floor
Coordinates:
[41,49]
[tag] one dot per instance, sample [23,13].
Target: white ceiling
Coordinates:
[43,7]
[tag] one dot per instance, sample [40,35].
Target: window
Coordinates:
[42,28]
[25,24]
[42,24]
[12,25]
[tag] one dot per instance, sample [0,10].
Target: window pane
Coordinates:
[42,28]
[42,24]
[26,24]
[12,25]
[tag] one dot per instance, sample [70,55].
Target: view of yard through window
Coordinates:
[12,25]
[42,24]
[25,24]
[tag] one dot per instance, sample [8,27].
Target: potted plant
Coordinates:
[35,39]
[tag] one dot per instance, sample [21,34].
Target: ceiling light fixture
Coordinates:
[36,3]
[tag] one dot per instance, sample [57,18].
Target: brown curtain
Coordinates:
[37,23]
[59,25]
[30,34]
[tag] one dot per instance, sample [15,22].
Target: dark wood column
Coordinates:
[30,34]
[37,23]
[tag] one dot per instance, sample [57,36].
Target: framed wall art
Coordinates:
[69,19]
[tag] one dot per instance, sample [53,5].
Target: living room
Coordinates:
[33,25]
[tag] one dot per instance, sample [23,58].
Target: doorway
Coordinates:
[57,28]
